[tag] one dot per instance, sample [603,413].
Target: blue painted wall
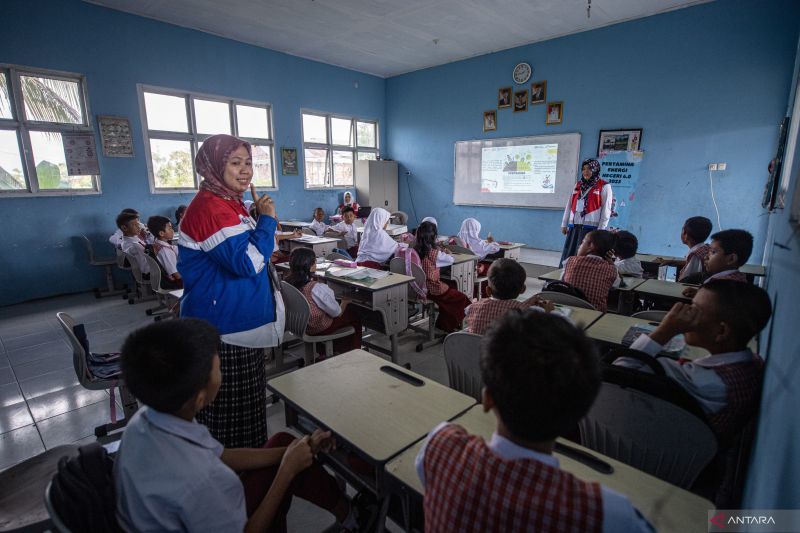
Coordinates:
[707,84]
[38,256]
[775,468]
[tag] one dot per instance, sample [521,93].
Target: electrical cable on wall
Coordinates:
[714,200]
[408,185]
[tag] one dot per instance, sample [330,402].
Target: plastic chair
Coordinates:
[108,264]
[462,353]
[654,316]
[458,249]
[398,266]
[56,521]
[399,217]
[298,313]
[308,231]
[168,301]
[649,434]
[333,256]
[565,299]
[21,486]
[143,290]
[89,381]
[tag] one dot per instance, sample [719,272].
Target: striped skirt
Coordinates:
[238,416]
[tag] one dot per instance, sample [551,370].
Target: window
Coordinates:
[36,108]
[177,122]
[332,144]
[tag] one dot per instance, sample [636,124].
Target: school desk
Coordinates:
[626,293]
[750,270]
[374,408]
[665,291]
[553,275]
[319,274]
[462,271]
[387,296]
[177,293]
[512,250]
[669,508]
[581,317]
[291,225]
[321,246]
[394,230]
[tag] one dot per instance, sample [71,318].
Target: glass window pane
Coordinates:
[172,163]
[212,117]
[5,102]
[252,122]
[366,134]
[316,167]
[51,165]
[367,156]
[12,176]
[165,113]
[342,131]
[262,166]
[342,168]
[52,100]
[314,130]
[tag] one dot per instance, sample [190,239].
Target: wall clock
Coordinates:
[522,73]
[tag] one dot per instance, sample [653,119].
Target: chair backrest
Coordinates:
[55,518]
[397,265]
[462,354]
[298,312]
[400,217]
[122,262]
[655,316]
[308,231]
[407,259]
[89,247]
[134,264]
[565,299]
[649,434]
[333,256]
[78,352]
[155,275]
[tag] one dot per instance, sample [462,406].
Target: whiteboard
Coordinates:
[467,166]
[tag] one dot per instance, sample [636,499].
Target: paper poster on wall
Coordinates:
[621,170]
[81,154]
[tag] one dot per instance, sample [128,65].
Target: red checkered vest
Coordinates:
[470,489]
[319,319]
[742,386]
[593,275]
[701,253]
[733,276]
[434,283]
[482,313]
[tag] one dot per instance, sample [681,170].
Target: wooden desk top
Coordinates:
[612,328]
[511,246]
[374,411]
[668,289]
[463,258]
[669,508]
[750,269]
[582,318]
[553,275]
[390,280]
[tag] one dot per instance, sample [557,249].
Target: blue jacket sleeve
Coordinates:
[245,255]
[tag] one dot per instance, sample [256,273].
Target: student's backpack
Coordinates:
[82,492]
[565,288]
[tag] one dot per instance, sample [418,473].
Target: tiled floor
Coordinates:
[42,405]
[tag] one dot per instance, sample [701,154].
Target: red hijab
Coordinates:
[211,160]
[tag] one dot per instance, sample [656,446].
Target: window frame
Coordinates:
[194,138]
[329,147]
[22,126]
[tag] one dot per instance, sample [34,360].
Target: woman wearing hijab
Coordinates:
[376,245]
[224,262]
[589,208]
[349,201]
[470,236]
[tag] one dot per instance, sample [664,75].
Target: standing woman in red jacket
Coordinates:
[588,209]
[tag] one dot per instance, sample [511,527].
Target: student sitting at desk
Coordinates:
[483,248]
[722,318]
[728,251]
[327,316]
[450,300]
[592,270]
[376,246]
[165,252]
[506,283]
[132,242]
[116,238]
[540,377]
[694,234]
[172,475]
[347,230]
[317,225]
[624,251]
[349,200]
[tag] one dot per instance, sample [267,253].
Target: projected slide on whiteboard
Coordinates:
[536,172]
[519,169]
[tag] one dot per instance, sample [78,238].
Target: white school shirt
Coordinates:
[116,239]
[618,512]
[443,259]
[134,247]
[350,233]
[598,219]
[695,264]
[168,257]
[324,297]
[629,267]
[318,227]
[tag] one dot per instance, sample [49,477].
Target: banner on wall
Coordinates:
[621,170]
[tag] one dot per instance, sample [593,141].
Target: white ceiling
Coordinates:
[391,37]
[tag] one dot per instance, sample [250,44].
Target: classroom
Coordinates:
[397,211]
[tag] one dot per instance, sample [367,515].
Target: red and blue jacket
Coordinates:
[223,262]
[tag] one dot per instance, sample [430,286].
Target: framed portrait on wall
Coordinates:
[504,97]
[538,92]
[289,161]
[490,120]
[555,113]
[619,140]
[521,101]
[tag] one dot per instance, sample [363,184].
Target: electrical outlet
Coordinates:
[712,166]
[722,166]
